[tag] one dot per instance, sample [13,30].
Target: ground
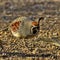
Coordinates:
[40,45]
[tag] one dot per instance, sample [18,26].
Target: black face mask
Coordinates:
[34,30]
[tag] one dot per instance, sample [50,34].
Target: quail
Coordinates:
[24,26]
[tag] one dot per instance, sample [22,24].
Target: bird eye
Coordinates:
[34,30]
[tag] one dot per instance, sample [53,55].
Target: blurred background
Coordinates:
[49,29]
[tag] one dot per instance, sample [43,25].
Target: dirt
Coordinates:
[38,47]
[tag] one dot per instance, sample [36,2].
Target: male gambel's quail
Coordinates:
[24,26]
